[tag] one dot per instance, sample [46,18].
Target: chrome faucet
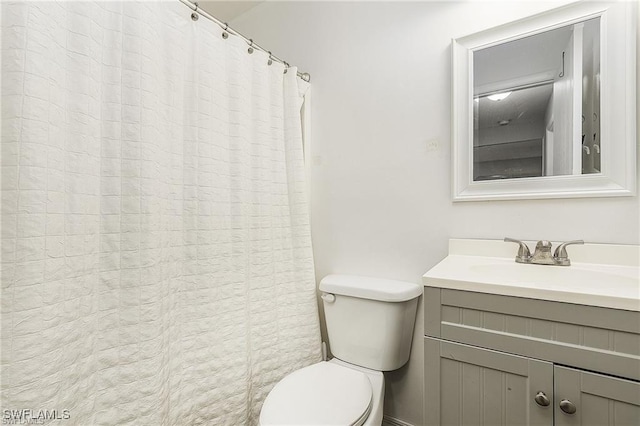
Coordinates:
[542,254]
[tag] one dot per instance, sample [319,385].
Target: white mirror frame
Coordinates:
[617,107]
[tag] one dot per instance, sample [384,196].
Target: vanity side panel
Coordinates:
[432,393]
[432,311]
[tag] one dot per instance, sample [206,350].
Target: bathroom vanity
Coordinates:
[509,344]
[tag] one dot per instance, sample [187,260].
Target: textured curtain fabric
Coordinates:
[156,253]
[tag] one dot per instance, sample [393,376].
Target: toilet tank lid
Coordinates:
[370,288]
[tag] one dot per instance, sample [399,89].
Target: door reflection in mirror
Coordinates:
[537,105]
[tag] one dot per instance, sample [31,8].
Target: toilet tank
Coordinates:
[370,320]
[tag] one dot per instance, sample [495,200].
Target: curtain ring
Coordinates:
[250,49]
[270,61]
[286,66]
[225,34]
[194,15]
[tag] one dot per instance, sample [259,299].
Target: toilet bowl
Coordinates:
[370,327]
[326,393]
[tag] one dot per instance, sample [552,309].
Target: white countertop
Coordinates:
[488,266]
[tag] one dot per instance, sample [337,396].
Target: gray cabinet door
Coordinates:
[466,385]
[598,400]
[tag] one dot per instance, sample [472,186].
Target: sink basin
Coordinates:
[586,283]
[576,276]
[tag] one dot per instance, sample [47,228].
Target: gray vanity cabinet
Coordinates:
[599,400]
[465,385]
[502,360]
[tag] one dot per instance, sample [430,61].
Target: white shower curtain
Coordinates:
[156,252]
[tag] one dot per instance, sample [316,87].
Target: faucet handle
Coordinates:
[561,251]
[523,252]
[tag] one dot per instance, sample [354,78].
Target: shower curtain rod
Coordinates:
[197,11]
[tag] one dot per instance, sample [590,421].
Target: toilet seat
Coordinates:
[320,394]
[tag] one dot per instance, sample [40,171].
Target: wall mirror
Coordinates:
[545,107]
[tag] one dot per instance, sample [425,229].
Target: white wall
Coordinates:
[381,199]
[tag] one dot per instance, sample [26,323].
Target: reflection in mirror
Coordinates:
[537,105]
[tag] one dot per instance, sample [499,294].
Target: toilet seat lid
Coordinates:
[320,394]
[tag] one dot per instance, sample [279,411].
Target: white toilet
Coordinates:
[370,326]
